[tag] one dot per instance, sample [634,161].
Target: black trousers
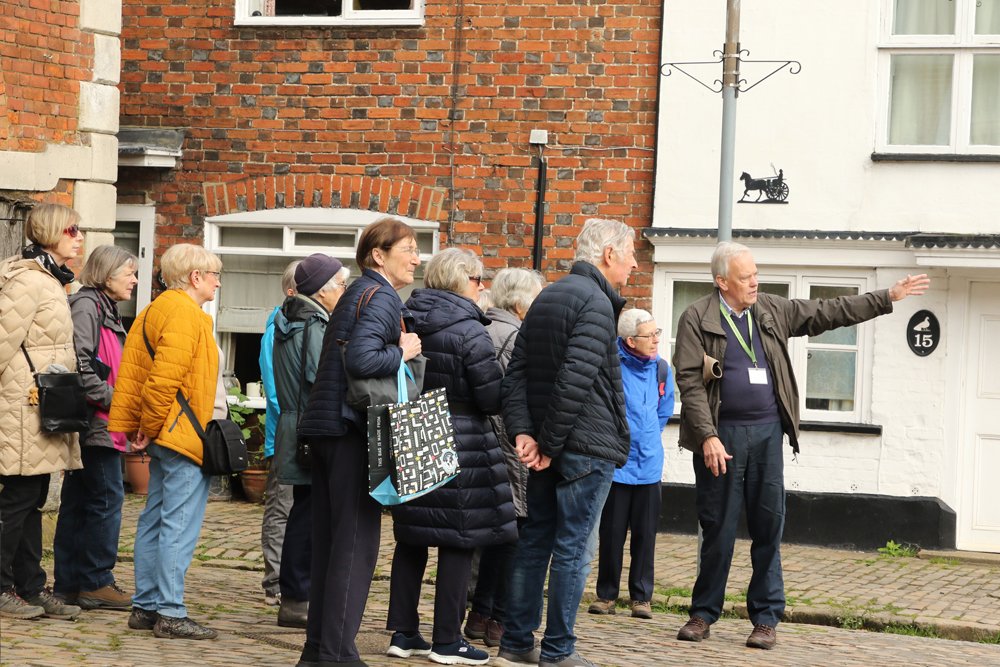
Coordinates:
[635,507]
[346,529]
[450,592]
[490,596]
[296,548]
[21,502]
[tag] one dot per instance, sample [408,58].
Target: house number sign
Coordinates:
[923,333]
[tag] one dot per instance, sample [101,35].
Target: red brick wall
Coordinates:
[379,103]
[43,58]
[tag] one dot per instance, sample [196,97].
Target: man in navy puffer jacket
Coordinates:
[565,408]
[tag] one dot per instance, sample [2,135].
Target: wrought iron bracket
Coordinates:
[793,67]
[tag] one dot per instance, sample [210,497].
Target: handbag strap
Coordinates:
[402,395]
[185,406]
[366,296]
[28,357]
[503,348]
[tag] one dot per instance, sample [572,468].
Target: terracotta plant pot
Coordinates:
[137,472]
[254,482]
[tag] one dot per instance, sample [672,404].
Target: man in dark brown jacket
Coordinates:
[734,422]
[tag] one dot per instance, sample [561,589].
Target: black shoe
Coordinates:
[142,619]
[293,613]
[182,628]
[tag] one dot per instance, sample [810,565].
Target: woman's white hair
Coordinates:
[335,281]
[513,288]
[723,255]
[631,320]
[451,268]
[598,234]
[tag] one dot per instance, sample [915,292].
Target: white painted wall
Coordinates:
[819,126]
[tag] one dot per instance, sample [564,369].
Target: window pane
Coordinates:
[250,237]
[920,100]
[777,289]
[924,17]
[988,17]
[843,335]
[985,127]
[830,380]
[686,293]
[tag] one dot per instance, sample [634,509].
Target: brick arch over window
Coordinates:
[325,191]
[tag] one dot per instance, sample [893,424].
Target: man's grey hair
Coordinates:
[335,281]
[288,278]
[724,253]
[515,287]
[598,234]
[451,268]
[631,320]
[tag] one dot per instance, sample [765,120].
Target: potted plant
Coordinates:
[252,423]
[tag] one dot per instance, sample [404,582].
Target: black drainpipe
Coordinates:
[539,209]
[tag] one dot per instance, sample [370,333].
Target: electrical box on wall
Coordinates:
[538,137]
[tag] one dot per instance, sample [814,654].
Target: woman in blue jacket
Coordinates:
[634,500]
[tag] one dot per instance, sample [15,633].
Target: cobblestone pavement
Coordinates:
[950,597]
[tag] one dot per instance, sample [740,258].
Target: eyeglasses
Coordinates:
[341,285]
[217,274]
[655,334]
[411,250]
[476,279]
[72,230]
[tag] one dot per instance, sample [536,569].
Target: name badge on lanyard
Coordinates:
[755,375]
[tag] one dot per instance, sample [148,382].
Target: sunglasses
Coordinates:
[72,230]
[477,279]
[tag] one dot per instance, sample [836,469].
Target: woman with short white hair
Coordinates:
[90,511]
[475,509]
[513,292]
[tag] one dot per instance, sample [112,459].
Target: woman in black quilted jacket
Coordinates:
[476,508]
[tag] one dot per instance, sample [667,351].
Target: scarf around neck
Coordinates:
[36,252]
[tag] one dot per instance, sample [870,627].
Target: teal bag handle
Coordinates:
[402,396]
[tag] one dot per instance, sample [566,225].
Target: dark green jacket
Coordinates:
[700,332]
[298,342]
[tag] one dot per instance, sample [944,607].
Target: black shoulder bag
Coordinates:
[61,400]
[224,451]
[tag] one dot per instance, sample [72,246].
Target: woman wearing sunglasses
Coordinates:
[35,325]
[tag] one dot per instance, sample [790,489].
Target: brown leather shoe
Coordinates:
[694,630]
[475,625]
[494,633]
[641,608]
[763,636]
[600,606]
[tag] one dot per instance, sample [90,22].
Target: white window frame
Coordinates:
[963,45]
[145,215]
[349,17]
[799,283]
[291,221]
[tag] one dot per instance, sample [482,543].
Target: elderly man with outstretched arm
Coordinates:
[565,407]
[735,423]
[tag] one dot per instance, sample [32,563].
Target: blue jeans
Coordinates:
[754,479]
[564,507]
[168,531]
[90,517]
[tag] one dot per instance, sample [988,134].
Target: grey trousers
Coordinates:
[277,504]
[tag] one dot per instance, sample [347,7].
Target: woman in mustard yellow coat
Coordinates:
[185,358]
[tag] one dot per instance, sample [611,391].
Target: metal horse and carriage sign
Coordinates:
[774,188]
